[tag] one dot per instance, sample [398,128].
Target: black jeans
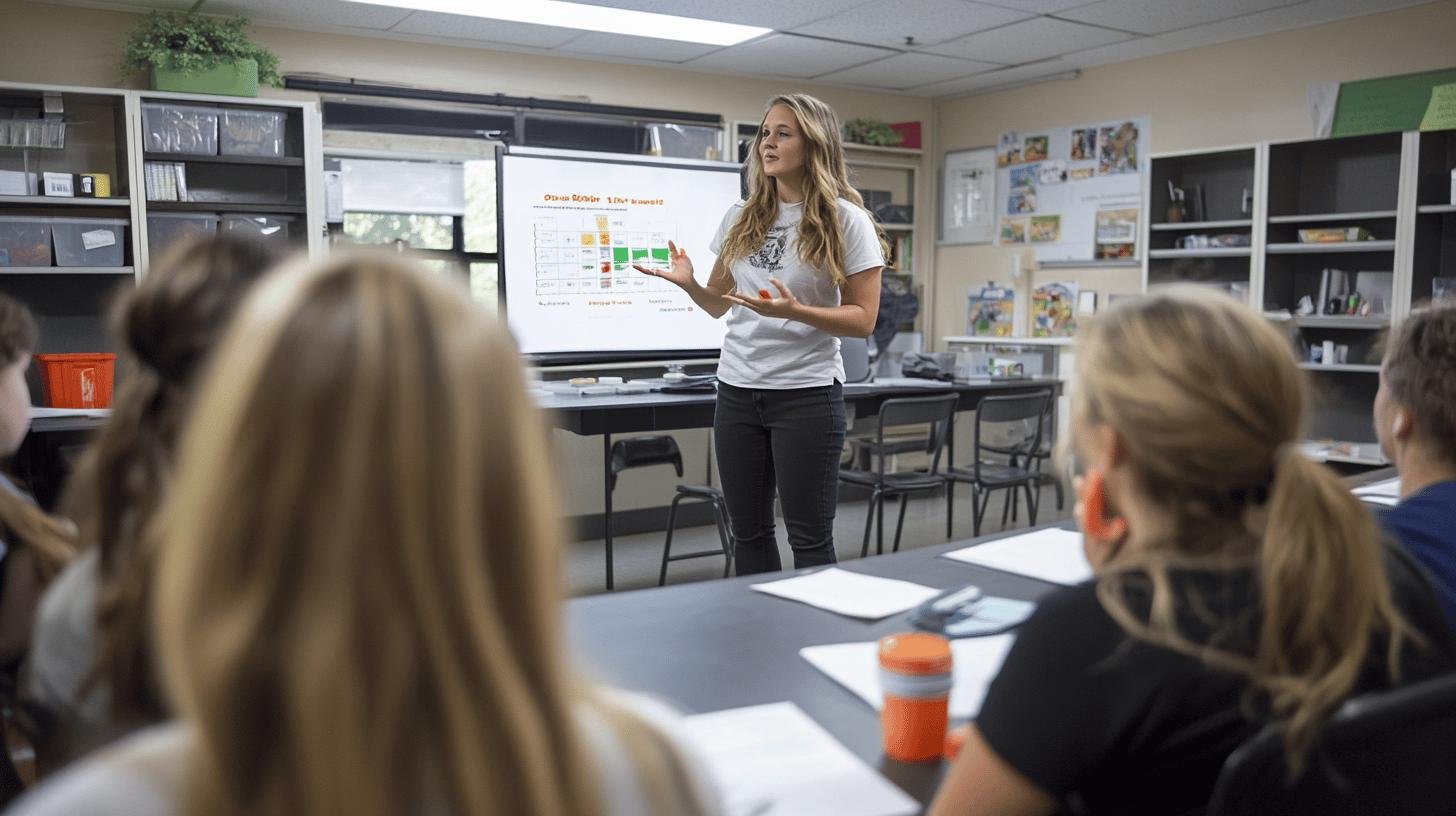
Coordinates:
[785,438]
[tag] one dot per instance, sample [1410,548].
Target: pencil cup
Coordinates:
[915,675]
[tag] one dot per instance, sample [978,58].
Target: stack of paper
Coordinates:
[856,667]
[1386,493]
[850,593]
[1053,555]
[773,760]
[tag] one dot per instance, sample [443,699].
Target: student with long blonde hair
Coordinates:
[798,267]
[91,677]
[357,596]
[1236,582]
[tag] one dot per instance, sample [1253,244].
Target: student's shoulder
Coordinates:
[140,776]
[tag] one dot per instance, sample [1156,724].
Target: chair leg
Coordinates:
[900,524]
[1015,504]
[725,535]
[667,542]
[1057,483]
[1005,507]
[864,549]
[880,528]
[1032,502]
[978,509]
[949,506]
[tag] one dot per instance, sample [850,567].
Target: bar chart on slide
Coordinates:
[592,253]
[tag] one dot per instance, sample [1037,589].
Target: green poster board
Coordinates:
[1386,104]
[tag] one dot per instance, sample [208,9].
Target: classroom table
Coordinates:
[715,645]
[636,413]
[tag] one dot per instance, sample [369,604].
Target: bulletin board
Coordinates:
[968,196]
[1072,193]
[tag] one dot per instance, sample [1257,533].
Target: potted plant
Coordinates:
[870,132]
[192,53]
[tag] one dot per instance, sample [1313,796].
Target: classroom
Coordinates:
[647,407]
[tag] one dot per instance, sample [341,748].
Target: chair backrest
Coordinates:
[855,351]
[643,451]
[937,410]
[1388,752]
[1020,421]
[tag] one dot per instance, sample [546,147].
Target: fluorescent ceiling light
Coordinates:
[588,18]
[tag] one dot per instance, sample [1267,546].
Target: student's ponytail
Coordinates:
[1324,589]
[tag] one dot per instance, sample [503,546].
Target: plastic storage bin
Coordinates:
[89,241]
[268,227]
[179,129]
[166,229]
[252,133]
[76,380]
[25,241]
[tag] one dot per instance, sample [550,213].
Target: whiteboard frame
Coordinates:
[967,158]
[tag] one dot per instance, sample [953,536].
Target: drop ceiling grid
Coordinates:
[890,22]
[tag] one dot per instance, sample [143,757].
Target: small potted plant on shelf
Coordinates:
[871,132]
[192,53]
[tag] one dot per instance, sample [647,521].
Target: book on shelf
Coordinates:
[166,181]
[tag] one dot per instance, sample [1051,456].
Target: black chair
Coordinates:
[1022,418]
[1043,454]
[646,451]
[1383,753]
[713,496]
[936,411]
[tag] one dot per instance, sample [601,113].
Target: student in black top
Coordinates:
[1236,583]
[1415,421]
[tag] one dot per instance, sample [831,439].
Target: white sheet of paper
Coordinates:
[38,412]
[850,593]
[1053,555]
[856,667]
[773,760]
[1373,498]
[1389,488]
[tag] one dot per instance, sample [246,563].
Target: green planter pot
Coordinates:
[237,78]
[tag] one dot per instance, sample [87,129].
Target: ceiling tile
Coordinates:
[479,29]
[789,55]
[1035,39]
[1158,16]
[907,71]
[1038,6]
[313,12]
[993,79]
[637,48]
[777,14]
[889,22]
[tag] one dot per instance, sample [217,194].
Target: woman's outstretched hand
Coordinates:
[679,271]
[785,305]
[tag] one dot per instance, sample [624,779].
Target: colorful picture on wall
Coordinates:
[1052,172]
[990,311]
[1013,230]
[1008,150]
[1054,310]
[1021,201]
[1084,144]
[1045,229]
[1116,233]
[1025,176]
[1117,149]
[1035,148]
[1081,173]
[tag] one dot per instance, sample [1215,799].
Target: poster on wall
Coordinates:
[1072,193]
[968,197]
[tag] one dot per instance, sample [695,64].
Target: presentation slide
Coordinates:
[571,229]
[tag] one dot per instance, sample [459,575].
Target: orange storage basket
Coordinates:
[76,380]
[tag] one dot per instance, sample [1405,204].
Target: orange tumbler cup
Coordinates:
[915,675]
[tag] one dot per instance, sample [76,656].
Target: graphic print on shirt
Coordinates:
[770,256]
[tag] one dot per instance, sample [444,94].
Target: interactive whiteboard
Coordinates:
[572,226]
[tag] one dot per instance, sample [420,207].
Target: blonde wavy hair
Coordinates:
[826,180]
[358,598]
[1207,398]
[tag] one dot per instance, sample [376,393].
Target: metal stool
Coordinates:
[641,451]
[713,496]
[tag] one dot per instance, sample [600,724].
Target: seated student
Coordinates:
[33,545]
[1415,421]
[357,588]
[90,678]
[1236,583]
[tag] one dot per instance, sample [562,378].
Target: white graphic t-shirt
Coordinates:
[775,352]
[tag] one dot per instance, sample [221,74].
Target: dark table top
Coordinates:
[716,645]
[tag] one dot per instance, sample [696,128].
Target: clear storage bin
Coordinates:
[268,227]
[24,241]
[252,133]
[89,241]
[166,229]
[179,129]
